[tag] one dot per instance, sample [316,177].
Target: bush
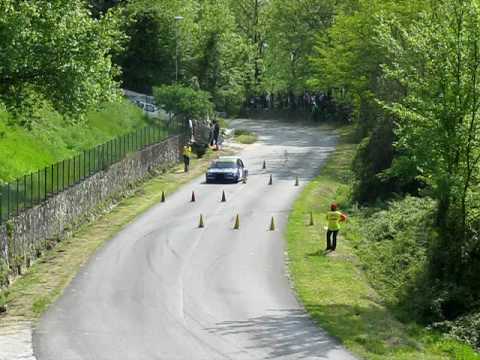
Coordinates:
[245,136]
[394,245]
[401,252]
[239,132]
[4,282]
[199,149]
[184,101]
[466,329]
[247,139]
[3,301]
[380,171]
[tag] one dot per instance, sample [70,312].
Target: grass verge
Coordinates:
[245,136]
[333,288]
[29,296]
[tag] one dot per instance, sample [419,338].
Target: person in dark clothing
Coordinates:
[216,134]
[187,154]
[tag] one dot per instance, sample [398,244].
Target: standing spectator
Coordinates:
[216,134]
[187,153]
[334,218]
[210,133]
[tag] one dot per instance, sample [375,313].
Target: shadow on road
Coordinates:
[281,334]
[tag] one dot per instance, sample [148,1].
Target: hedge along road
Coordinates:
[165,289]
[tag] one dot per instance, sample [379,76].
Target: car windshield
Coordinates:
[223,165]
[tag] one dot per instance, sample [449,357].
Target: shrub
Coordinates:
[184,101]
[3,301]
[465,328]
[244,136]
[394,245]
[199,149]
[239,132]
[4,282]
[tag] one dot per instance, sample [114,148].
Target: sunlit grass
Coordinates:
[54,138]
[244,136]
[334,290]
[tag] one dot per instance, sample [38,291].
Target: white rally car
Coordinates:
[227,169]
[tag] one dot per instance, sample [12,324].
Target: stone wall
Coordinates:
[25,235]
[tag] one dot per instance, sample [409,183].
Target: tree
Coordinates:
[347,62]
[184,101]
[292,27]
[222,56]
[154,34]
[436,60]
[100,7]
[55,51]
[251,20]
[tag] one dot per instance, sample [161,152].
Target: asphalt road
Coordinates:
[164,289]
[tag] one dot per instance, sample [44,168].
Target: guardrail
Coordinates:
[35,188]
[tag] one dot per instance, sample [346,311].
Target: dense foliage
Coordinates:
[406,72]
[410,70]
[56,52]
[184,101]
[201,38]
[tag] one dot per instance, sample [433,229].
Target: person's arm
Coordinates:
[343,217]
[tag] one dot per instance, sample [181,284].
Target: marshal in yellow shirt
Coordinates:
[333,220]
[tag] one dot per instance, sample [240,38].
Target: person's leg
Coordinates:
[334,245]
[329,244]
[185,162]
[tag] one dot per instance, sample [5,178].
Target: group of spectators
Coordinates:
[321,106]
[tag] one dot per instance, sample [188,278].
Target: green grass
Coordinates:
[53,138]
[245,136]
[333,288]
[30,295]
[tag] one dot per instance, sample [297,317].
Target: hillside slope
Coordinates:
[53,138]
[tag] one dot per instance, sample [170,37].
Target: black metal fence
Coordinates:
[33,189]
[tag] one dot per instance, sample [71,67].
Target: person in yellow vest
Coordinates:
[334,218]
[187,153]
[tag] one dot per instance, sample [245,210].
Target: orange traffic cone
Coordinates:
[193,196]
[224,198]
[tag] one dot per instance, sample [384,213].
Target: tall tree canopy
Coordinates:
[55,51]
[291,32]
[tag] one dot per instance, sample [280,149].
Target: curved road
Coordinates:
[164,289]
